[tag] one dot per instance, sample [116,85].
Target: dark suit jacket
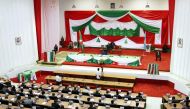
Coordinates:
[55,106]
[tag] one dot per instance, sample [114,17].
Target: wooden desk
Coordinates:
[92,81]
[3,106]
[102,92]
[119,102]
[177,97]
[170,106]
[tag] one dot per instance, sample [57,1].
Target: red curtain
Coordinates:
[37,10]
[74,15]
[171,18]
[153,15]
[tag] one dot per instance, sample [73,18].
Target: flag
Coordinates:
[50,56]
[145,41]
[81,42]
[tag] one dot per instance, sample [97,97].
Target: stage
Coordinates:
[145,58]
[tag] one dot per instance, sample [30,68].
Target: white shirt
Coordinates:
[98,74]
[58,78]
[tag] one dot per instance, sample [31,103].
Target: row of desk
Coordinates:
[93,81]
[178,97]
[93,74]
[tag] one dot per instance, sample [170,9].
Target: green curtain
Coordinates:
[135,63]
[108,61]
[68,59]
[114,32]
[145,26]
[116,13]
[92,60]
[78,28]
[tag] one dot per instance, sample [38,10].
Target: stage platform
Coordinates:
[179,83]
[146,58]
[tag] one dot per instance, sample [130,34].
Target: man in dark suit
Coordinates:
[55,105]
[158,55]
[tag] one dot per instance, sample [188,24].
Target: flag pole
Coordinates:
[81,42]
[144,44]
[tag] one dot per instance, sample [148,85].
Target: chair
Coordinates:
[117,49]
[70,46]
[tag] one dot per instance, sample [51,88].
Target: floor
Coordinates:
[154,103]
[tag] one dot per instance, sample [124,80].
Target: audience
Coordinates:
[34,91]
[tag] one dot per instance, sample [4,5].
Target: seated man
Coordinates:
[108,95]
[28,102]
[97,93]
[66,89]
[128,96]
[42,94]
[53,97]
[55,105]
[70,46]
[75,90]
[136,106]
[112,45]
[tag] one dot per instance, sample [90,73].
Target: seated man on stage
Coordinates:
[108,47]
[112,45]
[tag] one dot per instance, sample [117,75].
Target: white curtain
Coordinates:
[127,43]
[17,20]
[111,18]
[50,24]
[114,25]
[95,43]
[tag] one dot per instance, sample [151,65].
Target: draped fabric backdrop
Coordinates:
[37,10]
[114,26]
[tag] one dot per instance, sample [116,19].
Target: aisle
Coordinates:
[153,102]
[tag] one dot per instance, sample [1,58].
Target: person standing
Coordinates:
[98,73]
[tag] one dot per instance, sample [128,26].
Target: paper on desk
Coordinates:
[122,94]
[91,99]
[128,103]
[12,99]
[70,106]
[112,94]
[44,103]
[36,93]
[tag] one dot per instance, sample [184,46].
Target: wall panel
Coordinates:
[180,60]
[17,20]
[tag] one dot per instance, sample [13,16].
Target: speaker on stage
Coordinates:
[158,55]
